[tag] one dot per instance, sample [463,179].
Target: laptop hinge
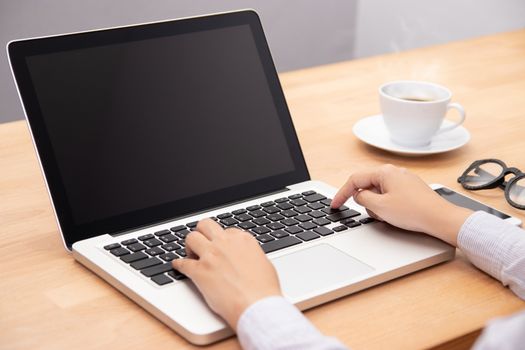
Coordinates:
[120,233]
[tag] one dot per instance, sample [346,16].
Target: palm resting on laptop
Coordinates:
[241,285]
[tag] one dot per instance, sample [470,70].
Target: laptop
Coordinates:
[143,130]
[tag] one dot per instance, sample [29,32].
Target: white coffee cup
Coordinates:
[413,111]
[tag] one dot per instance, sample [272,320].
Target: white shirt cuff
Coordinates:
[274,323]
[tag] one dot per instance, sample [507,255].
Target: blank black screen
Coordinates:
[142,123]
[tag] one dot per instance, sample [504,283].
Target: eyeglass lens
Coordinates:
[517,192]
[483,174]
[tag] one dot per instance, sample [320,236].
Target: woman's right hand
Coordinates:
[402,199]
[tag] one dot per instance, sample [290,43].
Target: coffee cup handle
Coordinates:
[462,115]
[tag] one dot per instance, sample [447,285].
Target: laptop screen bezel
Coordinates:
[72,232]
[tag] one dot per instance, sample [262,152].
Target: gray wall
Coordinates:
[301,33]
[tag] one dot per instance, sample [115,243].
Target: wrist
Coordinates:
[241,304]
[445,222]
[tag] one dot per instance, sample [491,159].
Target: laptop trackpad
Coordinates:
[315,269]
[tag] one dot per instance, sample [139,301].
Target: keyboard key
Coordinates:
[340,228]
[298,202]
[253,207]
[275,226]
[162,232]
[171,246]
[343,215]
[353,224]
[323,231]
[321,221]
[129,241]
[161,279]
[257,213]
[213,218]
[261,221]
[261,230]
[295,196]
[267,204]
[284,206]
[243,217]
[119,251]
[265,238]
[280,233]
[168,257]
[146,237]
[178,228]
[111,246]
[327,201]
[156,270]
[280,244]
[307,225]
[181,242]
[168,238]
[329,210]
[177,275]
[289,222]
[275,217]
[224,216]
[303,210]
[154,251]
[135,247]
[314,198]
[229,222]
[152,242]
[293,229]
[246,225]
[315,206]
[317,214]
[133,257]
[308,193]
[182,234]
[303,218]
[307,236]
[289,213]
[367,220]
[192,224]
[145,263]
[181,252]
[271,210]
[239,211]
[281,200]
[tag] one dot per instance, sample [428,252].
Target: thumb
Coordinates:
[368,199]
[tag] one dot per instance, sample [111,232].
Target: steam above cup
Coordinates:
[413,111]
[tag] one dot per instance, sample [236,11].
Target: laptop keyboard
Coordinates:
[277,224]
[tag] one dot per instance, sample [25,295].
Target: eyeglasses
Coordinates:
[491,173]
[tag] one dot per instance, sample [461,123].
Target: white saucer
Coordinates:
[372,130]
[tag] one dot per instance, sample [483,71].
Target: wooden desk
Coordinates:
[48,301]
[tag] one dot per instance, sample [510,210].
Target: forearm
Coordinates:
[495,247]
[274,323]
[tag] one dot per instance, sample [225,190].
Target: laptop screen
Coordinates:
[183,121]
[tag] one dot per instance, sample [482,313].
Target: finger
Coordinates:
[368,199]
[356,181]
[197,243]
[209,228]
[374,215]
[186,266]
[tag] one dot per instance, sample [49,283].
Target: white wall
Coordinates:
[386,26]
[300,33]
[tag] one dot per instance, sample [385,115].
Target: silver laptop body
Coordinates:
[81,153]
